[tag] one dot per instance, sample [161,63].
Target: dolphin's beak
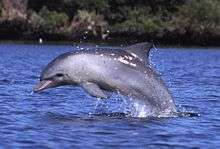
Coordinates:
[44,84]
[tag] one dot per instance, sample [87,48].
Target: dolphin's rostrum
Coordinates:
[125,70]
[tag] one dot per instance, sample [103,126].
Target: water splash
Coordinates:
[141,110]
[127,105]
[122,106]
[185,112]
[153,51]
[32,93]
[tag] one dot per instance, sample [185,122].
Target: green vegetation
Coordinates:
[200,17]
[49,21]
[169,21]
[88,23]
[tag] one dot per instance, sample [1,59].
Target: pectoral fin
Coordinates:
[94,90]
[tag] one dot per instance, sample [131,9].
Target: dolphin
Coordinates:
[99,70]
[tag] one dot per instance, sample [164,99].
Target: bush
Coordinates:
[53,22]
[90,22]
[198,16]
[47,21]
[98,6]
[138,21]
[35,20]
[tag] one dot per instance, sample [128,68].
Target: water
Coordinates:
[68,117]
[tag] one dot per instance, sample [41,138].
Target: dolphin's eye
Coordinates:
[59,75]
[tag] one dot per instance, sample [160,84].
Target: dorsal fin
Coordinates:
[140,50]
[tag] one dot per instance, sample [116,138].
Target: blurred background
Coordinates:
[178,22]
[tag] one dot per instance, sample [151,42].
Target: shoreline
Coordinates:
[167,39]
[115,39]
[100,43]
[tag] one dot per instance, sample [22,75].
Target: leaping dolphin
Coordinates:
[125,70]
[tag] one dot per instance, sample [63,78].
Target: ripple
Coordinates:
[67,118]
[6,82]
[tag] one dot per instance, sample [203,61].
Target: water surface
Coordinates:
[68,117]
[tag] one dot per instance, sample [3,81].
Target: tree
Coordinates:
[14,9]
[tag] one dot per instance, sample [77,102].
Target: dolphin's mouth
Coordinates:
[44,84]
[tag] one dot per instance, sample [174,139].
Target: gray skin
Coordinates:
[125,70]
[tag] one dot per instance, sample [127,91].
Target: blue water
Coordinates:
[68,117]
